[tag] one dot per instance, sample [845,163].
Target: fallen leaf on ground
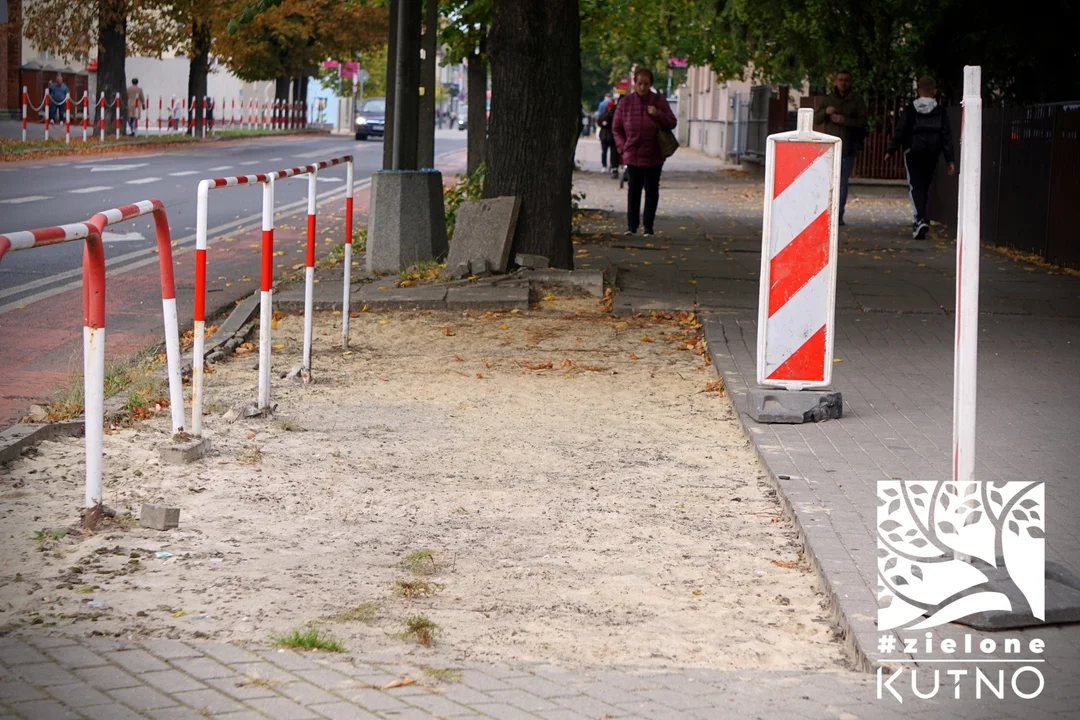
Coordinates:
[633,356]
[536,366]
[448,332]
[459,358]
[716,386]
[399,683]
[789,564]
[646,338]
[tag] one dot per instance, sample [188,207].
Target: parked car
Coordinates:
[371,119]
[463,119]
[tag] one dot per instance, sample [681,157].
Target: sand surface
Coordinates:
[607,510]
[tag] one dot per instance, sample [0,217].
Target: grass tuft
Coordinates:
[420,562]
[420,628]
[309,638]
[449,674]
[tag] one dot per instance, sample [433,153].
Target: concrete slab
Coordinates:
[407,222]
[487,298]
[425,297]
[485,231]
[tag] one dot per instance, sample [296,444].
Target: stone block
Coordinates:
[591,281]
[536,262]
[407,222]
[485,229]
[794,406]
[487,298]
[182,452]
[427,297]
[159,517]
[479,267]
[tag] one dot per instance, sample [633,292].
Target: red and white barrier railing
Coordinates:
[266,282]
[94,318]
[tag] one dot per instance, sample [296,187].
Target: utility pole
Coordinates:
[406,86]
[391,86]
[426,148]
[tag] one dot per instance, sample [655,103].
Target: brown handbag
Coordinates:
[665,139]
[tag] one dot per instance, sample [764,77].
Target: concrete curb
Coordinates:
[818,542]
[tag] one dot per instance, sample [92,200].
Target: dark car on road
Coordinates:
[371,118]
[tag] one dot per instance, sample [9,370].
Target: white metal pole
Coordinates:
[266,299]
[199,327]
[965,365]
[347,281]
[172,357]
[94,397]
[309,269]
[24,113]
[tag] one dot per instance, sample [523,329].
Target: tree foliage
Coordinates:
[71,29]
[294,36]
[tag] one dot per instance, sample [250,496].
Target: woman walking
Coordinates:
[638,120]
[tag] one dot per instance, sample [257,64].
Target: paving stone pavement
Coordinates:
[894,352]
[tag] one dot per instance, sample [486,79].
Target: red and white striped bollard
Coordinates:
[797,298]
[116,109]
[67,119]
[24,113]
[101,114]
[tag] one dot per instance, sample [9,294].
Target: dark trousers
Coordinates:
[639,178]
[847,164]
[608,146]
[920,173]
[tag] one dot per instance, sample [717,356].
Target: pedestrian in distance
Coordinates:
[607,139]
[58,92]
[639,117]
[135,100]
[924,134]
[844,116]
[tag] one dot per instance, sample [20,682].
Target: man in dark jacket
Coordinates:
[844,115]
[607,139]
[924,133]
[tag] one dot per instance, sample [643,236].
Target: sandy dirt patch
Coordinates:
[584,500]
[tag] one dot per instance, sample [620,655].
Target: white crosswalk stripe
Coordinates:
[21,200]
[183,173]
[143,181]
[93,189]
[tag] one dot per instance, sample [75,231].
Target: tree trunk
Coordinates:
[199,69]
[281,88]
[476,131]
[112,56]
[534,47]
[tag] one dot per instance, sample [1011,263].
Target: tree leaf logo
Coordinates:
[925,529]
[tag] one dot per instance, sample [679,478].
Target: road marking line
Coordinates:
[143,181]
[184,172]
[252,162]
[28,198]
[116,168]
[112,237]
[274,159]
[323,178]
[95,188]
[220,168]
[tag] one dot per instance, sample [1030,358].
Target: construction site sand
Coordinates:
[605,511]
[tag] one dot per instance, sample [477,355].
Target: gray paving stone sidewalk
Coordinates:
[894,351]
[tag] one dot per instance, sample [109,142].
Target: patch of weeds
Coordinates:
[250,454]
[309,638]
[420,562]
[359,240]
[424,270]
[215,407]
[468,187]
[410,589]
[335,258]
[443,674]
[44,535]
[145,394]
[365,612]
[289,425]
[420,628]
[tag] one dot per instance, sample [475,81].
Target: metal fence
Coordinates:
[1031,180]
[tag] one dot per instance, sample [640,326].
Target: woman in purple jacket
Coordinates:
[638,119]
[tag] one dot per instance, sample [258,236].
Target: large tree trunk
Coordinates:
[112,56]
[281,88]
[199,69]
[476,131]
[534,47]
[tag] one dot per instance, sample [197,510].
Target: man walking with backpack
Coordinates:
[924,133]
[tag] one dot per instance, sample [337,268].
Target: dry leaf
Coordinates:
[504,327]
[384,321]
[448,332]
[459,358]
[789,564]
[716,386]
[568,364]
[536,366]
[633,356]
[646,338]
[479,376]
[399,683]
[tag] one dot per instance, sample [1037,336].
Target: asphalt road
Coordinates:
[71,190]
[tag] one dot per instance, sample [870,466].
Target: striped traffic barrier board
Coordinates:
[797,295]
